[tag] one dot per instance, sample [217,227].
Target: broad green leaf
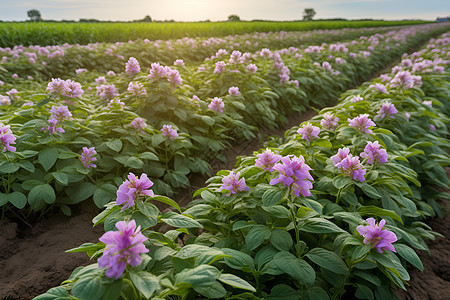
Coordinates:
[318,225]
[371,210]
[17,199]
[201,276]
[90,287]
[272,197]
[341,181]
[61,177]
[115,145]
[56,293]
[177,220]
[256,235]
[41,194]
[281,239]
[328,260]
[214,291]
[167,201]
[145,282]
[236,282]
[409,254]
[283,292]
[48,157]
[296,267]
[369,190]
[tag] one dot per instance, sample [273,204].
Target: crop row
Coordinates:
[12,34]
[74,144]
[47,62]
[288,222]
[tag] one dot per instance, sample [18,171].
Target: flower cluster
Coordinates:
[233,184]
[132,66]
[220,67]
[107,91]
[309,132]
[137,89]
[52,129]
[122,247]
[362,123]
[373,152]
[60,113]
[374,234]
[87,157]
[380,87]
[387,110]
[139,124]
[4,100]
[132,188]
[355,99]
[115,103]
[6,138]
[349,164]
[267,160]
[173,76]
[169,132]
[234,91]
[294,172]
[329,121]
[216,104]
[68,88]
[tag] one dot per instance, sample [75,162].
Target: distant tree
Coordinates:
[34,15]
[147,19]
[309,14]
[233,18]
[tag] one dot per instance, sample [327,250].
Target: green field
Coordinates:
[12,34]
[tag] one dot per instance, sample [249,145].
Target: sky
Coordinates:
[219,10]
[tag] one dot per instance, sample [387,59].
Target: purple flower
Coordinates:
[100,80]
[216,104]
[252,68]
[58,87]
[355,99]
[234,91]
[60,113]
[342,153]
[407,115]
[373,152]
[115,103]
[52,129]
[402,79]
[132,66]
[233,184]
[362,123]
[86,157]
[178,62]
[308,131]
[139,124]
[438,69]
[373,234]
[351,165]
[6,138]
[173,76]
[428,103]
[432,127]
[137,89]
[5,100]
[131,189]
[267,160]
[122,247]
[220,67]
[107,91]
[79,71]
[294,172]
[75,89]
[381,88]
[157,71]
[169,132]
[329,121]
[387,109]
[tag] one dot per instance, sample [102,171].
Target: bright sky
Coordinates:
[217,10]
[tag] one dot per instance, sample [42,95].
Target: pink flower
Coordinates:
[173,76]
[381,88]
[157,71]
[60,113]
[179,62]
[133,188]
[402,79]
[373,152]
[115,103]
[362,123]
[132,66]
[79,71]
[4,100]
[252,68]
[86,157]
[234,91]
[139,124]
[52,129]
[122,247]
[355,99]
[107,91]
[100,80]
[351,165]
[308,131]
[293,172]
[342,153]
[438,69]
[58,87]
[428,103]
[216,104]
[407,115]
[267,160]
[329,121]
[220,67]
[169,132]
[373,234]
[233,184]
[432,127]
[137,89]
[387,110]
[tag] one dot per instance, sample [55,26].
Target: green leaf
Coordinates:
[367,276]
[201,276]
[341,181]
[104,194]
[134,163]
[41,194]
[145,282]
[9,167]
[317,225]
[90,287]
[148,156]
[236,282]
[56,293]
[283,292]
[208,120]
[281,239]
[61,177]
[322,143]
[371,210]
[17,199]
[27,165]
[410,255]
[272,197]
[148,209]
[328,260]
[256,235]
[317,293]
[115,145]
[48,157]
[113,290]
[238,260]
[296,267]
[363,292]
[80,192]
[177,220]
[369,190]
[167,201]
[214,291]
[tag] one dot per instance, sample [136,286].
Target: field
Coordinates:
[12,34]
[140,136]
